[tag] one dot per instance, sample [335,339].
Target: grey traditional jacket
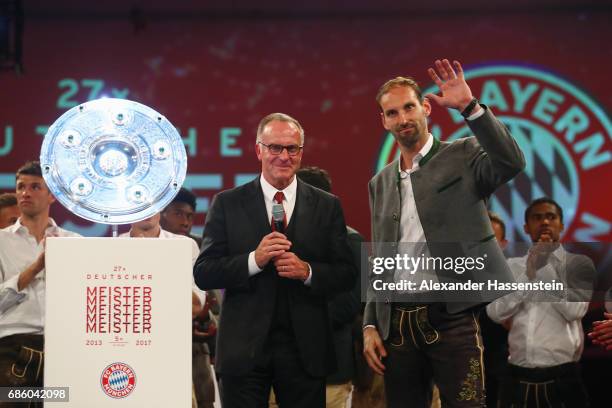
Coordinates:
[450,190]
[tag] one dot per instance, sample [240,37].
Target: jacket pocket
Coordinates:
[472,245]
[488,238]
[449,184]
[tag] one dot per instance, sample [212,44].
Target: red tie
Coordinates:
[278,199]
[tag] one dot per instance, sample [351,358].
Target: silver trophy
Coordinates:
[113,161]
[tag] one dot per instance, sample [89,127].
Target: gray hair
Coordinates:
[281,117]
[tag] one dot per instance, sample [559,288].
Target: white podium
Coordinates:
[118,321]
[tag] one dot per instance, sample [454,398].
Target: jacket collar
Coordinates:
[434,149]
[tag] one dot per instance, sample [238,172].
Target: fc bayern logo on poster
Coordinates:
[118,380]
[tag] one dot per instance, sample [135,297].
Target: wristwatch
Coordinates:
[468,109]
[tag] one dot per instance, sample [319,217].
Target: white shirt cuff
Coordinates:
[477,114]
[253,268]
[9,298]
[308,280]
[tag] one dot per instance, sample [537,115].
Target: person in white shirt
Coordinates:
[22,281]
[546,336]
[150,228]
[178,217]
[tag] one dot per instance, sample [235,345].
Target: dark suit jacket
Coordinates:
[235,224]
[343,309]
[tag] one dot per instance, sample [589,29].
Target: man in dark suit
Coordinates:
[274,328]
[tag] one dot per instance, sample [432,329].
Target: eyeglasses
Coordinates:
[276,149]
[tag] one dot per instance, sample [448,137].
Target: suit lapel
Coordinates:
[302,212]
[255,208]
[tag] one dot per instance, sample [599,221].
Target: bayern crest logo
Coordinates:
[566,138]
[118,380]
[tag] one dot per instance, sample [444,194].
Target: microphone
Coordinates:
[278,217]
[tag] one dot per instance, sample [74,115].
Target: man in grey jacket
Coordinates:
[433,199]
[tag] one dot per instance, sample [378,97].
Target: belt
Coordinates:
[540,374]
[35,341]
[408,306]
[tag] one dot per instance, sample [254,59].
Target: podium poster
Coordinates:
[118,321]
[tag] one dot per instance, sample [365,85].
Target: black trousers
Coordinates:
[279,367]
[426,345]
[21,364]
[551,387]
[495,340]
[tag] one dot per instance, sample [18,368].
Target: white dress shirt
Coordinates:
[195,251]
[542,334]
[411,231]
[23,312]
[269,191]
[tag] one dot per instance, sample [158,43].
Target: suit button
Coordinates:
[395,217]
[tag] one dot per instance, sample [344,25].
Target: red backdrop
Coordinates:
[214,76]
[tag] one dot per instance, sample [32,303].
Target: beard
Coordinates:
[408,135]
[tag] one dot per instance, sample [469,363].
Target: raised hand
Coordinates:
[456,93]
[539,254]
